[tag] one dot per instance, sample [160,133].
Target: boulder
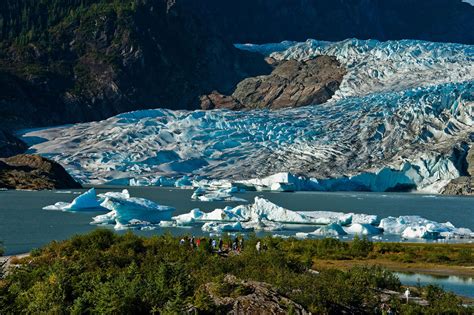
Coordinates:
[250,297]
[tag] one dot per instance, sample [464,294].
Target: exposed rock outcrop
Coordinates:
[26,171]
[463,185]
[292,83]
[250,297]
[470,161]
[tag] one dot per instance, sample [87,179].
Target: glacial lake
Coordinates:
[463,286]
[24,225]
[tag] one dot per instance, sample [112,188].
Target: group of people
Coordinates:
[215,245]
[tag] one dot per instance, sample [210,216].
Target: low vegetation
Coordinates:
[103,272]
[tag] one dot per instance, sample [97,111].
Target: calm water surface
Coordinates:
[24,225]
[463,286]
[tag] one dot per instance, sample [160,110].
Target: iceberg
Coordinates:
[363,229]
[328,217]
[183,182]
[125,211]
[132,212]
[330,230]
[261,215]
[84,202]
[214,227]
[222,194]
[416,227]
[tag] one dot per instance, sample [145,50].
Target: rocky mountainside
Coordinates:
[292,83]
[34,172]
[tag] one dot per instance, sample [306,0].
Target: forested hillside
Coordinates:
[75,60]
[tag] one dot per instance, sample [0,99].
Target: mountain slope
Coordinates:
[69,61]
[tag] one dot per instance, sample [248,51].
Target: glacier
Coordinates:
[401,121]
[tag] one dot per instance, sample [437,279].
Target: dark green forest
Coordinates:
[24,21]
[103,272]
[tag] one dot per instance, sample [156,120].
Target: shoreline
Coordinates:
[421,268]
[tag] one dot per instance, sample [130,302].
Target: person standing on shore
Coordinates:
[407,294]
[258,247]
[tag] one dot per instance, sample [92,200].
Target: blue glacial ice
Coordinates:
[402,115]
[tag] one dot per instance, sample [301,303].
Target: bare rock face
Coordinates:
[250,297]
[292,83]
[26,171]
[470,161]
[463,185]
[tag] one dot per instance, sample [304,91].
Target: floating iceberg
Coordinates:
[86,201]
[132,212]
[125,211]
[215,227]
[363,229]
[331,230]
[415,227]
[261,215]
[222,194]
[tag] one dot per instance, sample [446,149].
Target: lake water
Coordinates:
[24,225]
[463,286]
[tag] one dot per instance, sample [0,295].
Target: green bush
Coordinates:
[103,272]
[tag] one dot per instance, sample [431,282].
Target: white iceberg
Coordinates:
[363,229]
[86,201]
[416,227]
[133,212]
[332,229]
[218,228]
[283,181]
[222,194]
